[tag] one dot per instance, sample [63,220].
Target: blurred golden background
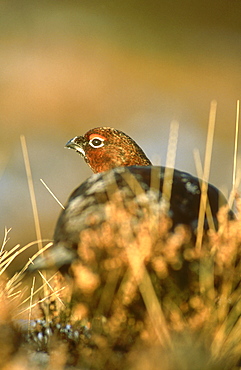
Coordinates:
[68,66]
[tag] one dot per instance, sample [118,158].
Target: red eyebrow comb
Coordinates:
[97,135]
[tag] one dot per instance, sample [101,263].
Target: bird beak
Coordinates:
[77,143]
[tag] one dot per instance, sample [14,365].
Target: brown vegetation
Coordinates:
[143,297]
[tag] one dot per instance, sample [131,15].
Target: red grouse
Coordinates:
[104,148]
[122,171]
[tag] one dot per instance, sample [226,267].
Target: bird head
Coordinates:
[104,148]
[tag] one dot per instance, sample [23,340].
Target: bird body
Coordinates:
[126,238]
[92,197]
[121,167]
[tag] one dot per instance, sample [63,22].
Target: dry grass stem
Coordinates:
[5,239]
[31,303]
[236,173]
[199,171]
[170,162]
[206,171]
[235,155]
[51,193]
[45,298]
[31,190]
[51,288]
[9,256]
[37,291]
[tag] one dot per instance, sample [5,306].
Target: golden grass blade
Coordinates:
[147,291]
[172,144]
[154,309]
[50,287]
[16,294]
[32,193]
[170,162]
[9,256]
[31,190]
[133,183]
[15,280]
[155,179]
[5,239]
[236,175]
[30,304]
[199,171]
[6,255]
[40,301]
[50,191]
[37,290]
[236,145]
[22,250]
[230,323]
[206,172]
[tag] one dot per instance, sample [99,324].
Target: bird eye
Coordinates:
[96,142]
